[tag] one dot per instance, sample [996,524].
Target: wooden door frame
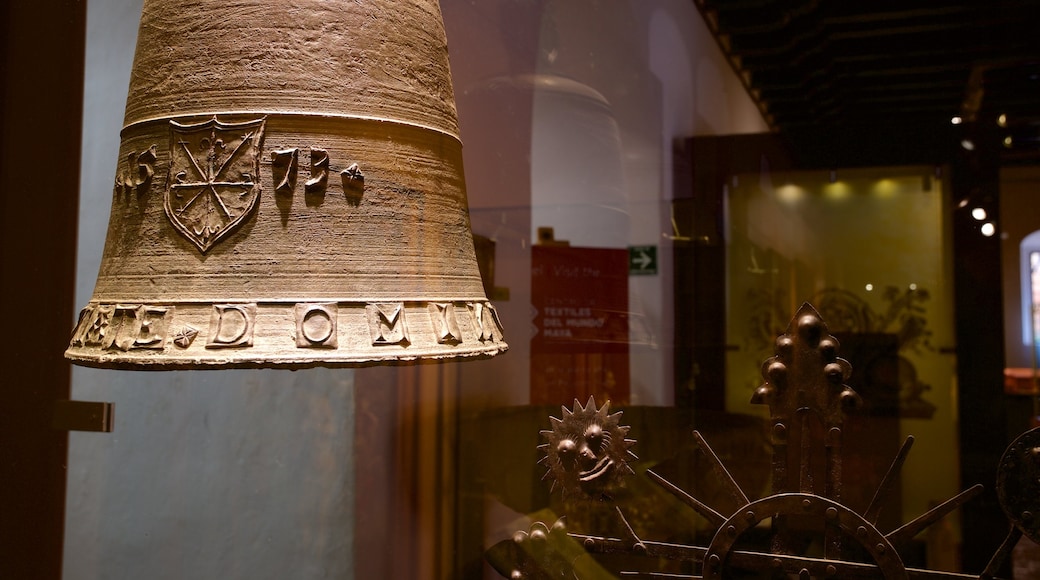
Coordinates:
[41,83]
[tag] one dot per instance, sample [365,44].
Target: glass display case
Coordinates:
[645,237]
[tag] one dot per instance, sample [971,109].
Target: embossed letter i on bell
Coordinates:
[289,192]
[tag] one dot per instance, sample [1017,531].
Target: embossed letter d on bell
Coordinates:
[289,192]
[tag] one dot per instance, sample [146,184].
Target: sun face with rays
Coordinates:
[587,453]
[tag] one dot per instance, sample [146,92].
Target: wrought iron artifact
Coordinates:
[808,531]
[289,192]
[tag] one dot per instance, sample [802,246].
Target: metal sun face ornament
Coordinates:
[586,452]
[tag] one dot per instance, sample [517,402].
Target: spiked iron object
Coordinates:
[289,193]
[804,386]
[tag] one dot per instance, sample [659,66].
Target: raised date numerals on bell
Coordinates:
[213,185]
[285,170]
[138,172]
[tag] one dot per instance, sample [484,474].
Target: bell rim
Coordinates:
[168,363]
[282,334]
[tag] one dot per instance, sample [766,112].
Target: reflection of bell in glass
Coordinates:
[289,193]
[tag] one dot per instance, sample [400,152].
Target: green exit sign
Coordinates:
[642,260]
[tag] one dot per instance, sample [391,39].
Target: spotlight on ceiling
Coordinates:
[1009,142]
[1002,120]
[988,229]
[978,213]
[956,120]
[968,144]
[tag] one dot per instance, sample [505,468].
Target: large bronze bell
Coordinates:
[289,193]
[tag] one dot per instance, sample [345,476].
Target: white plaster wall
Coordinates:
[599,173]
[214,474]
[604,178]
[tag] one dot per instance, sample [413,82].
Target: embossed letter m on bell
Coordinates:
[289,192]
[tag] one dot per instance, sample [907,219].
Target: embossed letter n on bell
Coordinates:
[289,192]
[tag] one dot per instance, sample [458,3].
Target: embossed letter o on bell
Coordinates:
[289,192]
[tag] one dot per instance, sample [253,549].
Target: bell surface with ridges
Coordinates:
[289,192]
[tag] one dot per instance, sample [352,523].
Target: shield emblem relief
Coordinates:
[214,182]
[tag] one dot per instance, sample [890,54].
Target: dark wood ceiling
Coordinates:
[864,75]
